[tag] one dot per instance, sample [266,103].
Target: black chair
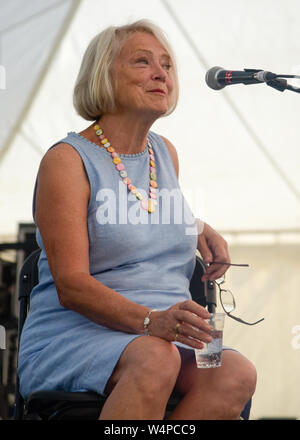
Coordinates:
[58,405]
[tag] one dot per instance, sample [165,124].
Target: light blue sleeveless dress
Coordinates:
[148,258]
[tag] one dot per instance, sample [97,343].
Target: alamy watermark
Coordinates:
[123,207]
[2,78]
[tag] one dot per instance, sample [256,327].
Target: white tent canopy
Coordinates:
[238,147]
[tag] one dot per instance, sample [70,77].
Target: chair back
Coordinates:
[28,278]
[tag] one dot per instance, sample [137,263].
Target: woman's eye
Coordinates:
[142,61]
[167,66]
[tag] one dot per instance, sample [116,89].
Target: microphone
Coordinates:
[217,77]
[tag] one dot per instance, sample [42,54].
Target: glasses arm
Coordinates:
[241,320]
[230,264]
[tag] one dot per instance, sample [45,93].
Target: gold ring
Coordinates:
[177,327]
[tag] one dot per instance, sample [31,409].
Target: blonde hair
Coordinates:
[94,89]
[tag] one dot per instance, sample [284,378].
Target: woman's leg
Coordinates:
[142,381]
[216,393]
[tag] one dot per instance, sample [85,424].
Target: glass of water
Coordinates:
[210,356]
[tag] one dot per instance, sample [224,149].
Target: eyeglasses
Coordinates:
[228,302]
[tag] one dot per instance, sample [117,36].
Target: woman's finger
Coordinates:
[192,332]
[193,307]
[194,343]
[216,271]
[204,249]
[193,320]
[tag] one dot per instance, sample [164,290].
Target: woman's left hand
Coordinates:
[213,248]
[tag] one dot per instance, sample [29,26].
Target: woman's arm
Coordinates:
[61,213]
[213,248]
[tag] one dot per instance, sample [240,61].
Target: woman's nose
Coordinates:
[159,73]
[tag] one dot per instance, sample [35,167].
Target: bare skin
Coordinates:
[144,91]
[217,393]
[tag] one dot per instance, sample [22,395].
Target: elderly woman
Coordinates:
[112,312]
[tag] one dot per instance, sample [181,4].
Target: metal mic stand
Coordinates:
[211,296]
[282,85]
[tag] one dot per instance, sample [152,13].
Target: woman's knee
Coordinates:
[157,360]
[246,377]
[241,382]
[151,363]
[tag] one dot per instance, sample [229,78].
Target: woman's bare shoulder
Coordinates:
[62,172]
[62,158]
[61,152]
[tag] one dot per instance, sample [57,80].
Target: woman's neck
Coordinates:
[127,135]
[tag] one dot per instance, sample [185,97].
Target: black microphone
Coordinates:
[217,77]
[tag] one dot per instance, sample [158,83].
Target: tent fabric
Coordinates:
[238,147]
[243,136]
[27,38]
[269,289]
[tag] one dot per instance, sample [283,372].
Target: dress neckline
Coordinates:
[142,153]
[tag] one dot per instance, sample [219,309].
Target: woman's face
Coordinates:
[143,76]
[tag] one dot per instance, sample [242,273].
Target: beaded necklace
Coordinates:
[147,204]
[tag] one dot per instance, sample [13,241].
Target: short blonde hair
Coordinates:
[94,91]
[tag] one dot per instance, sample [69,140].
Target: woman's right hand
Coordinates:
[192,329]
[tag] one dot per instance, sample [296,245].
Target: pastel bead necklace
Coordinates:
[147,204]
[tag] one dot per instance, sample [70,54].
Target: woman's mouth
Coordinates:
[159,91]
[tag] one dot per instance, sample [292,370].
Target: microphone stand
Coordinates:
[211,296]
[274,80]
[282,85]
